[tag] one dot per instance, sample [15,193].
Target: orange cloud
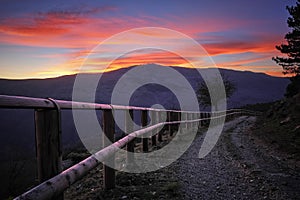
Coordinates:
[78,31]
[159,57]
[93,65]
[138,58]
[275,73]
[270,70]
[233,47]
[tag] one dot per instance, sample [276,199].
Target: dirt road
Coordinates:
[240,166]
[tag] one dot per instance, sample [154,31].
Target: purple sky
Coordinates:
[41,39]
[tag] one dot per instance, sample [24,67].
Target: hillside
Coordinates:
[280,127]
[251,87]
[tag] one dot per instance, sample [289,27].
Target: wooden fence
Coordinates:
[53,181]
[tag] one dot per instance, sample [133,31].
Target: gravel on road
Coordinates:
[240,166]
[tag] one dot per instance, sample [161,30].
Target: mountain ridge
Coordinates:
[17,126]
[128,68]
[56,87]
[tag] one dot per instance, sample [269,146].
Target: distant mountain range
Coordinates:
[17,128]
[251,87]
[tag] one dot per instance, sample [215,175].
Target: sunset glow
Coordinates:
[49,39]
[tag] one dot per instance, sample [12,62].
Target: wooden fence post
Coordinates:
[212,115]
[184,117]
[160,132]
[187,126]
[169,119]
[191,117]
[109,132]
[196,123]
[194,117]
[199,117]
[188,117]
[209,118]
[178,119]
[144,119]
[201,122]
[48,144]
[129,129]
[154,120]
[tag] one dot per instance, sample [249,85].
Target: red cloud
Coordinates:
[78,29]
[52,23]
[137,58]
[231,47]
[159,57]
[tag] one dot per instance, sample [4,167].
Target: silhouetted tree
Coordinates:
[203,94]
[291,63]
[294,87]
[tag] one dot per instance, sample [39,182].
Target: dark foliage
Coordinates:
[294,87]
[291,63]
[260,107]
[203,93]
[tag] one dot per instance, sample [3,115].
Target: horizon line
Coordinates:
[116,69]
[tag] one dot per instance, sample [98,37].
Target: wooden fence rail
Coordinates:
[53,181]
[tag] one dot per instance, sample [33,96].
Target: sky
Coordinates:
[42,39]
